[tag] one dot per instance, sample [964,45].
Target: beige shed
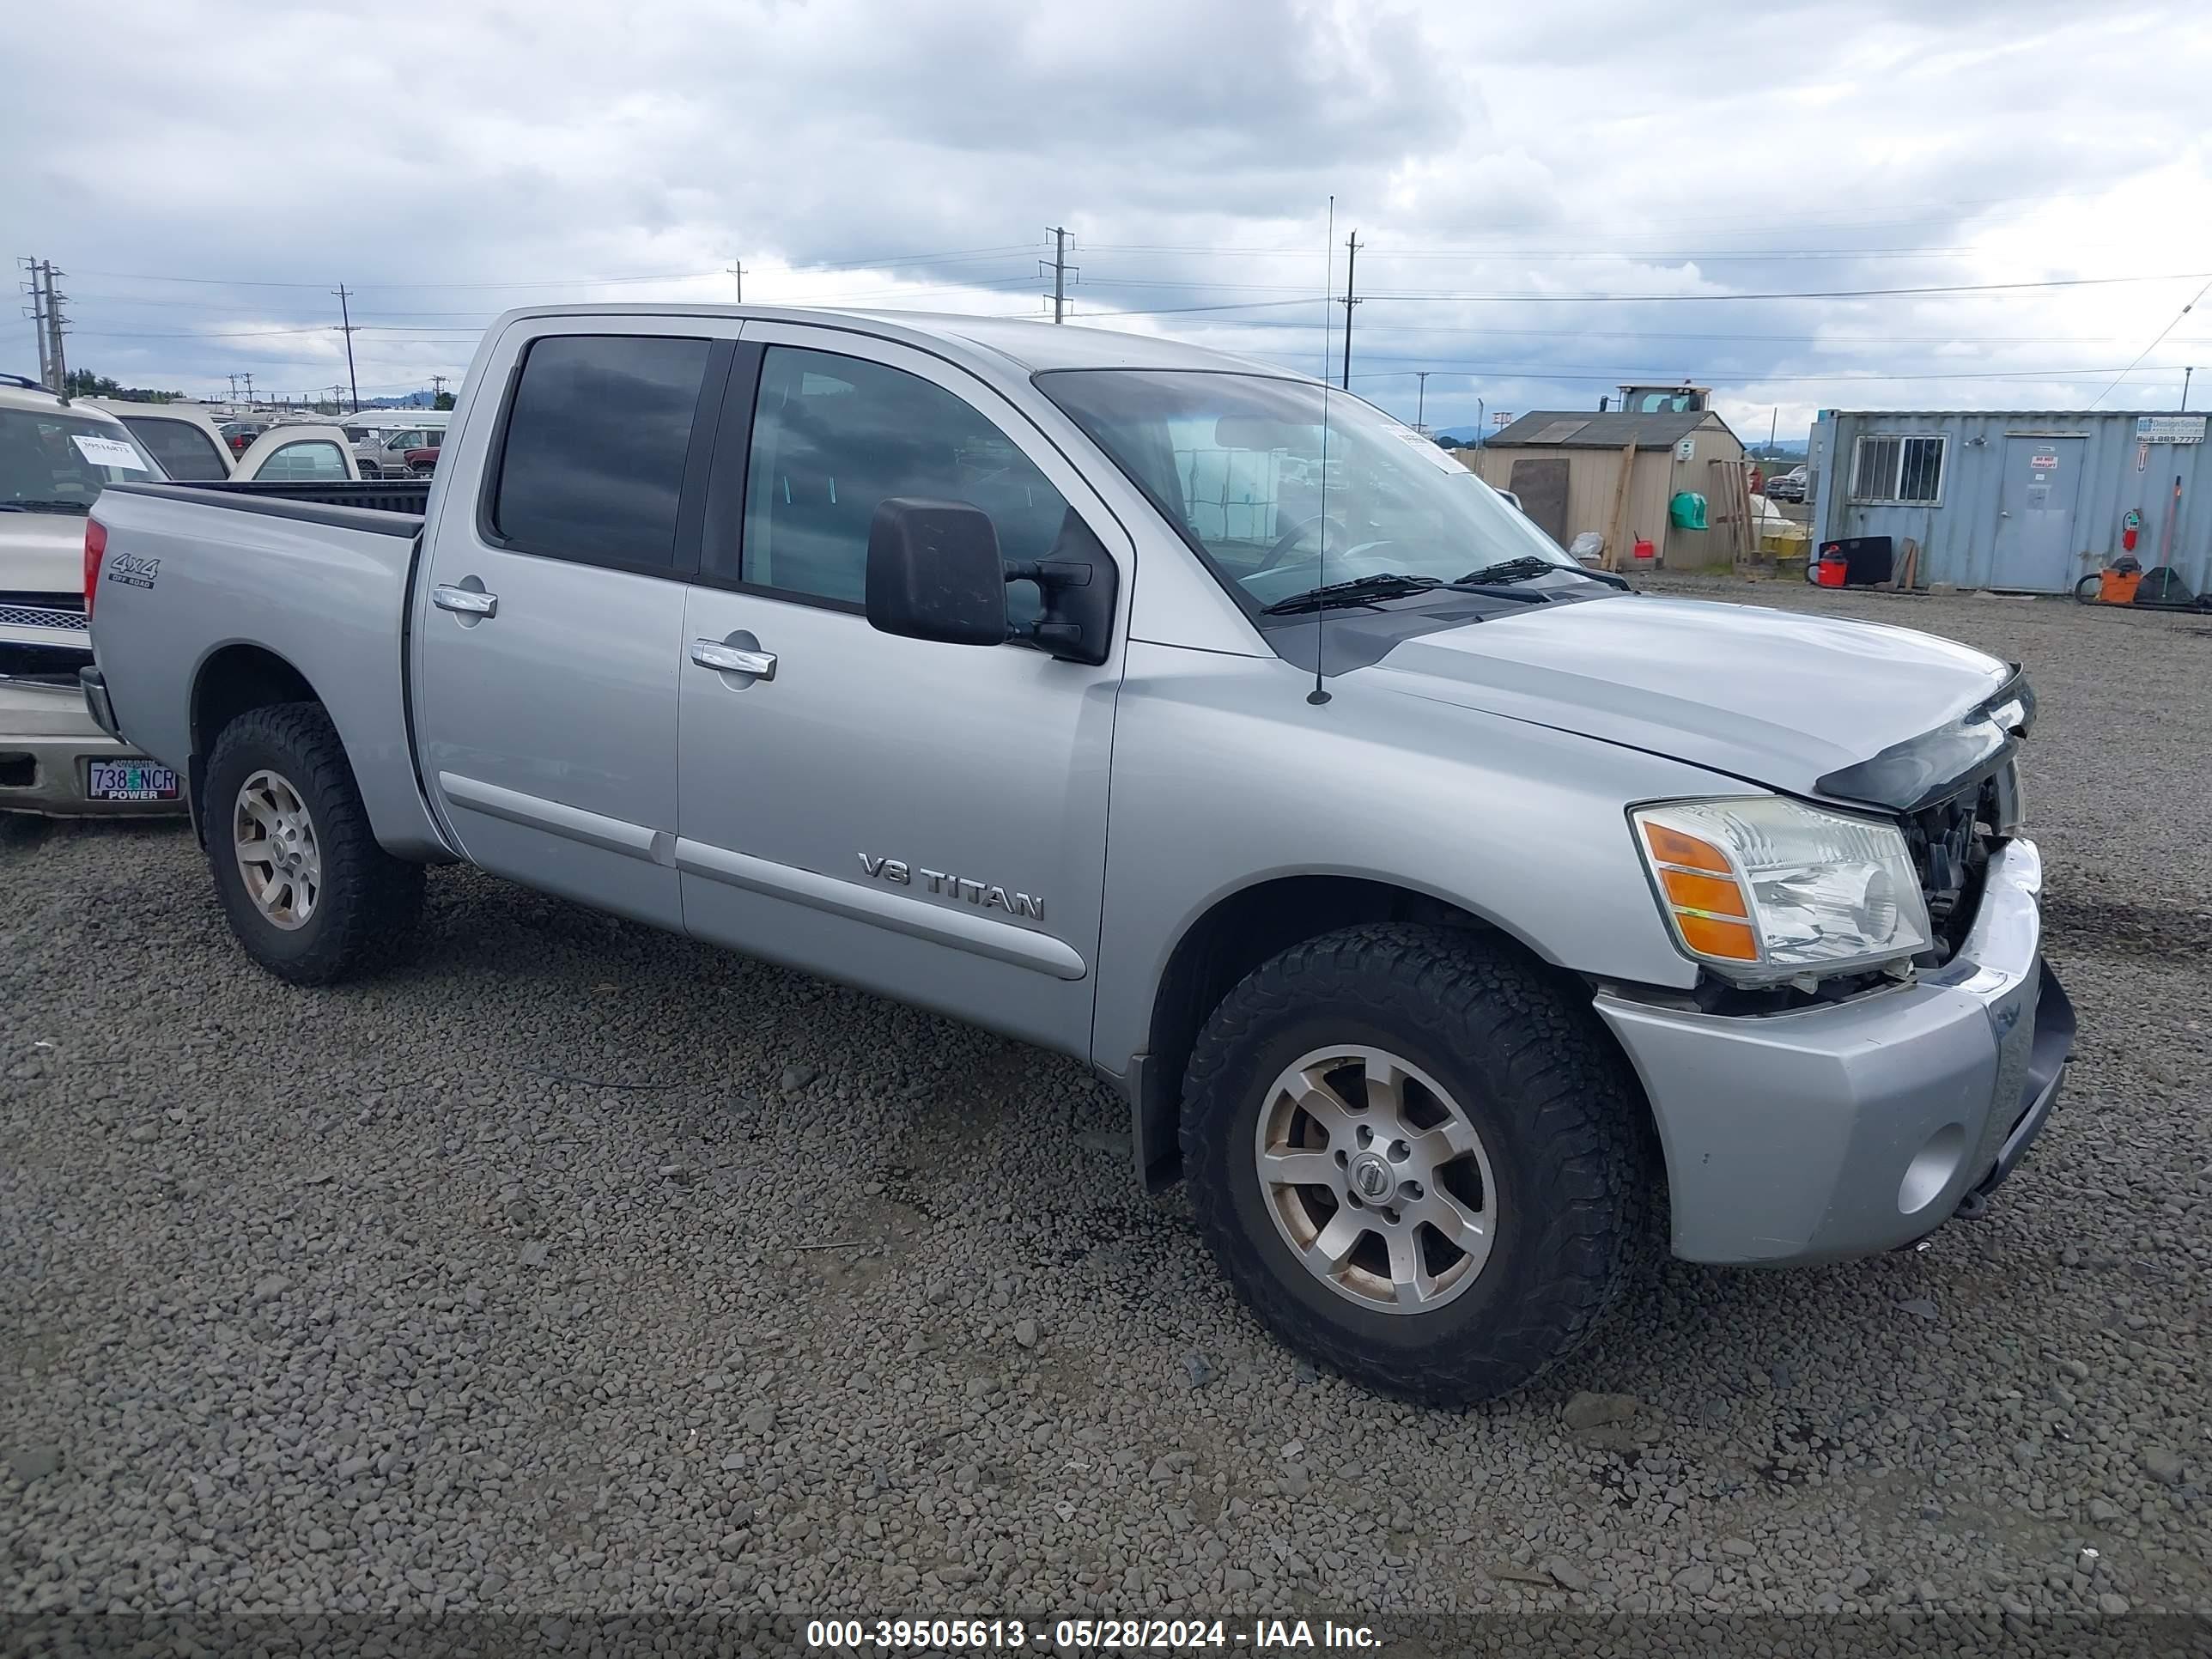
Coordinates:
[1565,466]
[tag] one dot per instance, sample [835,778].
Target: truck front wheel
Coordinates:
[306,888]
[1417,1160]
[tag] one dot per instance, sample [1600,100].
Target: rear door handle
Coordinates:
[733,659]
[464,601]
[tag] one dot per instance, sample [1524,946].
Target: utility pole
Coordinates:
[234,389]
[345,326]
[1773,427]
[1059,267]
[36,288]
[2185,374]
[56,361]
[738,276]
[248,379]
[437,389]
[1421,399]
[1351,259]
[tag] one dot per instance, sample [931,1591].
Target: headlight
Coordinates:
[1767,890]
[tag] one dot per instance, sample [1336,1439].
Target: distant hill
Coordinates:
[1463,434]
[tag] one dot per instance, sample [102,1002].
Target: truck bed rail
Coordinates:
[394,495]
[384,509]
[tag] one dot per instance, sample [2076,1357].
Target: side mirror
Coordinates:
[934,573]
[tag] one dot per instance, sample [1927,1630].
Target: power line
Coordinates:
[1629,299]
[2154,345]
[1627,376]
[1718,255]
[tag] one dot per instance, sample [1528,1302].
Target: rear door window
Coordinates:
[593,453]
[186,452]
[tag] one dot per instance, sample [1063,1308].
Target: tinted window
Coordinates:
[833,436]
[596,444]
[184,451]
[311,460]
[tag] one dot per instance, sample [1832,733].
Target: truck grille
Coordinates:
[1949,843]
[40,616]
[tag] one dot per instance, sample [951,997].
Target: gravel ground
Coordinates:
[577,1270]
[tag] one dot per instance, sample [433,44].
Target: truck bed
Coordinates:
[306,581]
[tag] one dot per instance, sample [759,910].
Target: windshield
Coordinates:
[52,461]
[1237,463]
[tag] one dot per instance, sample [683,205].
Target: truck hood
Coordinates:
[1778,698]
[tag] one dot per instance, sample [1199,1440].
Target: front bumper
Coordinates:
[1843,1130]
[47,734]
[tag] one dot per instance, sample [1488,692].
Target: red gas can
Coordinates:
[1645,552]
[1831,572]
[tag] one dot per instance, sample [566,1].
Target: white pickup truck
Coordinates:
[1446,913]
[56,456]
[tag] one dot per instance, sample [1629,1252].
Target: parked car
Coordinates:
[241,434]
[186,438]
[300,453]
[380,449]
[1461,911]
[422,462]
[1787,486]
[55,458]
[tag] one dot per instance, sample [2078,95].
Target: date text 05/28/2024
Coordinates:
[1259,1636]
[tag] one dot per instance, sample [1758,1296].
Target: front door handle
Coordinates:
[733,659]
[464,601]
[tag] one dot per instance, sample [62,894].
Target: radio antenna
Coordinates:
[1319,694]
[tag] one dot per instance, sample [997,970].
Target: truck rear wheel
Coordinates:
[307,890]
[1419,1162]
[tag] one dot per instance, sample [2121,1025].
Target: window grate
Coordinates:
[1906,470]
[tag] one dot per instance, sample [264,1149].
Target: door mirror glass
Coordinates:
[934,573]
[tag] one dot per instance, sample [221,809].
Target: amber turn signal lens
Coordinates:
[1716,893]
[1672,846]
[1732,941]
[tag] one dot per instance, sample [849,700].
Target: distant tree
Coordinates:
[83,383]
[443,400]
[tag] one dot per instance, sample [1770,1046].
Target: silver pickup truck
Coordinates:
[1455,922]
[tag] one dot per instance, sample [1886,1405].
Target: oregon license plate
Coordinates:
[131,779]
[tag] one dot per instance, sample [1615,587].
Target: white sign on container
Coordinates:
[2170,429]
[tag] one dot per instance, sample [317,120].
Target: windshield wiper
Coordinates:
[46,506]
[1526,568]
[1361,590]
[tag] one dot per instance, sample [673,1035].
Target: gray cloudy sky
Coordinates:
[1499,162]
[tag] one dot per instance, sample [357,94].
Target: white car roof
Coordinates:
[45,402]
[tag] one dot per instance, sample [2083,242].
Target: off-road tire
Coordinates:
[370,904]
[1558,1109]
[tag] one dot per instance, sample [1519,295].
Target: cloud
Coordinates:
[493,154]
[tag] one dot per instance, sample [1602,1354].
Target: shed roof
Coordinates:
[1577,428]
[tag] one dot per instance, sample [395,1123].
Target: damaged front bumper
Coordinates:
[1843,1130]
